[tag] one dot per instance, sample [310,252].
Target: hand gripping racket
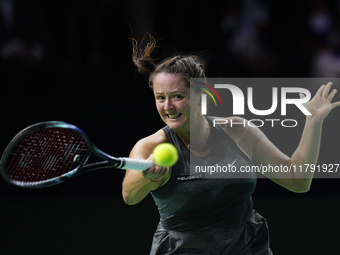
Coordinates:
[49,153]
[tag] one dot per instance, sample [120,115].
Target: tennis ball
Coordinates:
[165,154]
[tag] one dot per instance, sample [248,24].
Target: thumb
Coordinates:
[151,157]
[302,95]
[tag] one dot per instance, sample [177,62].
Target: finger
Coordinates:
[161,170]
[331,95]
[151,170]
[151,157]
[320,91]
[336,104]
[325,92]
[164,170]
[302,95]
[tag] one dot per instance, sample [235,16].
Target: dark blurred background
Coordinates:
[71,61]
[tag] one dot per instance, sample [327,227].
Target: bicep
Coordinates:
[142,150]
[255,143]
[264,152]
[135,187]
[272,162]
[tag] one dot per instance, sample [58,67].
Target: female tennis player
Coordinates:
[204,215]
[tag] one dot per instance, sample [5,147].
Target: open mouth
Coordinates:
[174,116]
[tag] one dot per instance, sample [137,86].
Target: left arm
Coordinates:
[266,154]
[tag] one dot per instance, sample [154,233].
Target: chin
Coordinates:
[178,127]
[175,124]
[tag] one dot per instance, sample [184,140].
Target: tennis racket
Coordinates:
[49,153]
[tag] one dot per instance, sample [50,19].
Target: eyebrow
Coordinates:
[173,92]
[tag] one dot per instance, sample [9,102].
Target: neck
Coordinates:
[198,136]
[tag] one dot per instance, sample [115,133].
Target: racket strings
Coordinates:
[29,157]
[46,154]
[51,158]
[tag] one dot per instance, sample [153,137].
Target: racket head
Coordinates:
[45,154]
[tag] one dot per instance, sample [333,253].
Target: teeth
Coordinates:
[174,116]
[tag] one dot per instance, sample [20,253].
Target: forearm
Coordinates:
[308,149]
[136,187]
[307,153]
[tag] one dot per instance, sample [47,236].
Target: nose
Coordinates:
[168,104]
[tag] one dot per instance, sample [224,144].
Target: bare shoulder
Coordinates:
[235,126]
[239,130]
[144,147]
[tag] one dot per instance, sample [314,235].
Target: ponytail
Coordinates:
[189,66]
[142,56]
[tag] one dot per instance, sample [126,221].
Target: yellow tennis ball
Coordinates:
[165,154]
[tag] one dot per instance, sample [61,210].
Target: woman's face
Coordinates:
[172,101]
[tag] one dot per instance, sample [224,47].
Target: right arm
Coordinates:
[138,184]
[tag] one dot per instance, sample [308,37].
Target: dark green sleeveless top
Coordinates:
[203,212]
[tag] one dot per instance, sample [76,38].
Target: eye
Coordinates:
[178,97]
[160,98]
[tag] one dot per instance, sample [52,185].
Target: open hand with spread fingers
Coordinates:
[321,104]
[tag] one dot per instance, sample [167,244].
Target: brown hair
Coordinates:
[189,66]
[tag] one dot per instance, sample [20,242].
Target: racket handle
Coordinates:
[135,164]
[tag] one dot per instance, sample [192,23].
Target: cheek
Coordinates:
[159,107]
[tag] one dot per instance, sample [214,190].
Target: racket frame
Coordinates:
[109,161]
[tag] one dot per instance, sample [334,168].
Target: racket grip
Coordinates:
[135,164]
